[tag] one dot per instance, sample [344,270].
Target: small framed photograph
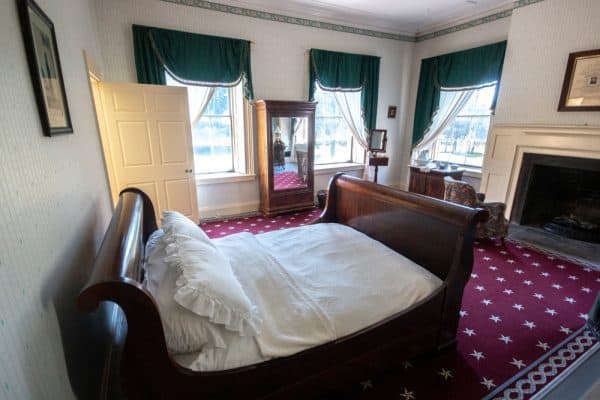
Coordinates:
[44,67]
[392,111]
[581,86]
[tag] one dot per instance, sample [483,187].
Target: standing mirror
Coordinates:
[377,140]
[290,152]
[285,155]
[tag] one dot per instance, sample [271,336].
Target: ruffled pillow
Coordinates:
[207,285]
[185,332]
[173,221]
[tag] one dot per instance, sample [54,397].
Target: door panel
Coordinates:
[134,139]
[178,196]
[150,144]
[173,143]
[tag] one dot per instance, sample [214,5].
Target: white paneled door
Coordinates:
[147,138]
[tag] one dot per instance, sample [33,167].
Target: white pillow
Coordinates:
[185,332]
[173,221]
[207,285]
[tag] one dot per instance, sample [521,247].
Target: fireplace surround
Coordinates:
[559,194]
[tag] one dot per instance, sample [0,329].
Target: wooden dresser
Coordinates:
[431,183]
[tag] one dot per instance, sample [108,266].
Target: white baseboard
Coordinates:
[228,210]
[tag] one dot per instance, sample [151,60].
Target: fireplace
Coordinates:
[559,194]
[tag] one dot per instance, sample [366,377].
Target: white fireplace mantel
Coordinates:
[507,143]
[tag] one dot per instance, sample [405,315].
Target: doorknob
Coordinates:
[189,171]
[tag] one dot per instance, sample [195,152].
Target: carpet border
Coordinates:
[536,363]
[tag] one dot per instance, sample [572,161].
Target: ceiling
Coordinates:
[393,16]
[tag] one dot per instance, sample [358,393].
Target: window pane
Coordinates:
[213,150]
[463,141]
[212,137]
[219,103]
[333,138]
[480,102]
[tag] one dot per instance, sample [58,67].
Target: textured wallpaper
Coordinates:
[54,208]
[539,42]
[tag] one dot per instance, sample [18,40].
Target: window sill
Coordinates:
[472,172]
[327,169]
[225,177]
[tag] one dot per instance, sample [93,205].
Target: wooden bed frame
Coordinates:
[435,234]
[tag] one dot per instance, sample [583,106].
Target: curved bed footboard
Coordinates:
[435,234]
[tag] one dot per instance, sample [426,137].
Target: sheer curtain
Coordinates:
[451,102]
[349,104]
[198,97]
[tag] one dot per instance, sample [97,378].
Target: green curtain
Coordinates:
[473,67]
[345,71]
[191,57]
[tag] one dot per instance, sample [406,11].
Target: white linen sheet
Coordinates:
[312,284]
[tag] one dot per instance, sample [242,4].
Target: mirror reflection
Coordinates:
[377,140]
[290,152]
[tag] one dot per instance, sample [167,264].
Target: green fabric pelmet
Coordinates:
[468,68]
[191,57]
[346,72]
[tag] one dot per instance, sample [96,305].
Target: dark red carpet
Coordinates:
[521,324]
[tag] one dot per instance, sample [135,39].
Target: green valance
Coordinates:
[347,72]
[462,69]
[191,58]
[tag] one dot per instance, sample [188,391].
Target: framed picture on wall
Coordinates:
[392,111]
[581,86]
[44,67]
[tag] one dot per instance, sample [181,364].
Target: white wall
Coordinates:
[541,37]
[466,39]
[55,207]
[279,67]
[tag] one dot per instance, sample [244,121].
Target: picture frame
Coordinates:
[44,68]
[377,140]
[581,85]
[392,111]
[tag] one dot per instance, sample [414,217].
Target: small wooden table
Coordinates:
[377,162]
[431,183]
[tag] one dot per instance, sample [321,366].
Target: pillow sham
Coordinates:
[207,285]
[185,332]
[173,221]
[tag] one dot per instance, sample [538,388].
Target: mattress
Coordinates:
[312,285]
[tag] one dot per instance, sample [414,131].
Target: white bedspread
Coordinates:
[312,285]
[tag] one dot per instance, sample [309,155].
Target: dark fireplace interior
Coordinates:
[560,195]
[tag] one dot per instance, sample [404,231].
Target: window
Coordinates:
[333,138]
[463,140]
[217,128]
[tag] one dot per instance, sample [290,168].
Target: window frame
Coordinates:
[242,141]
[355,154]
[437,142]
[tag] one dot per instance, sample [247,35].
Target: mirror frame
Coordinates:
[383,141]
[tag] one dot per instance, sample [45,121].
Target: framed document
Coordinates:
[44,68]
[581,87]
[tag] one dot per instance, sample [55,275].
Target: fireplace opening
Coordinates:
[560,195]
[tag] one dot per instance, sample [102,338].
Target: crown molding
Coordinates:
[274,17]
[455,26]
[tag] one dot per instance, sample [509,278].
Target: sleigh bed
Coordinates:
[434,234]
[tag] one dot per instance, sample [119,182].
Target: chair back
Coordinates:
[459,192]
